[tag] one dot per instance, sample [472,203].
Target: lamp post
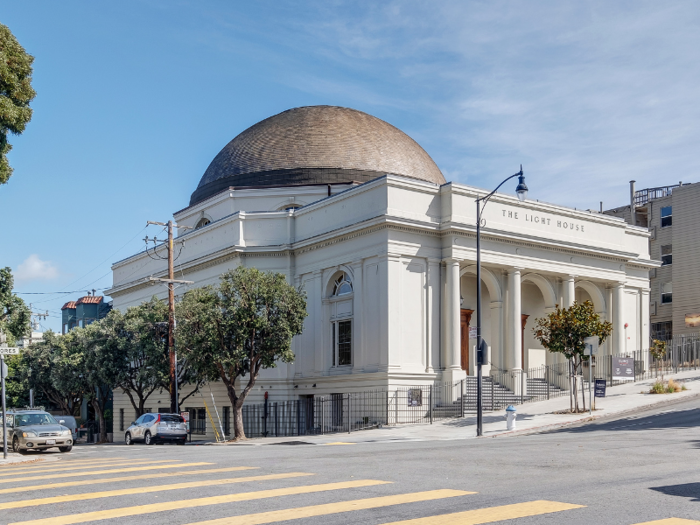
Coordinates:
[521,191]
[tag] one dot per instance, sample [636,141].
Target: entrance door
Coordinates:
[465,318]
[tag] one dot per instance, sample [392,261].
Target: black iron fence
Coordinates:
[349,412]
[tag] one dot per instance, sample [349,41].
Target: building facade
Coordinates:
[83,312]
[355,212]
[669,213]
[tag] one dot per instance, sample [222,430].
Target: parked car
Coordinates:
[157,428]
[70,422]
[36,430]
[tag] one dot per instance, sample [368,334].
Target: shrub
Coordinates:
[657,388]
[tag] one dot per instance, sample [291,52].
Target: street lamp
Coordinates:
[521,191]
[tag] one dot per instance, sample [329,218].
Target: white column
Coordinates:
[515,319]
[644,321]
[568,291]
[433,314]
[452,344]
[318,325]
[357,318]
[496,341]
[618,334]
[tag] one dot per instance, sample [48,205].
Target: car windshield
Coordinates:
[23,420]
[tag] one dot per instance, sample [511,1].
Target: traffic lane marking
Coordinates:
[671,521]
[27,470]
[334,508]
[122,478]
[198,502]
[492,514]
[143,490]
[74,474]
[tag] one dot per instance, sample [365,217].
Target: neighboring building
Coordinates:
[670,214]
[83,312]
[358,214]
[35,337]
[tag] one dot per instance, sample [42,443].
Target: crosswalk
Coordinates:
[129,488]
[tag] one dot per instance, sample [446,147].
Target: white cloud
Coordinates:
[34,269]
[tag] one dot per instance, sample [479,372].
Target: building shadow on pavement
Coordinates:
[685,490]
[677,419]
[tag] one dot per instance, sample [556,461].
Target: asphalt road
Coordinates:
[619,471]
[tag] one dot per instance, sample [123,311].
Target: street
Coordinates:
[617,471]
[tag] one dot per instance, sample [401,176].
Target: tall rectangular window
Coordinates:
[666,254]
[666,293]
[345,343]
[121,419]
[666,216]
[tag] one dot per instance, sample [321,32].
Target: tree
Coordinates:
[43,368]
[15,316]
[242,326]
[658,352]
[564,330]
[15,94]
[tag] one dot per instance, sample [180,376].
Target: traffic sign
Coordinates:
[9,350]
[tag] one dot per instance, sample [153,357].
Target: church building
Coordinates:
[354,211]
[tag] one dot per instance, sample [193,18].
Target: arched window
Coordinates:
[343,285]
[202,223]
[341,321]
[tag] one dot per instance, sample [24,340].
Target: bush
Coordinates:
[669,388]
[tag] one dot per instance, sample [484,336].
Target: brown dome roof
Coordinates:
[316,145]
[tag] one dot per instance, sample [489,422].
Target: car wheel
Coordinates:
[148,439]
[15,446]
[65,449]
[181,441]
[127,439]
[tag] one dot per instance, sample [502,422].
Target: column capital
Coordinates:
[515,269]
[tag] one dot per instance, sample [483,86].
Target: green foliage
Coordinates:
[240,327]
[44,368]
[657,388]
[16,392]
[15,94]
[15,317]
[564,330]
[658,349]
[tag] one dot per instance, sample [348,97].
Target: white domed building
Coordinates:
[356,212]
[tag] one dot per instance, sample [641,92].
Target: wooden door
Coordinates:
[465,318]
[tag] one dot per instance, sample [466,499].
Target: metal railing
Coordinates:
[641,197]
[426,404]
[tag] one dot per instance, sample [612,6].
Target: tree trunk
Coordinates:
[583,388]
[238,430]
[571,388]
[99,411]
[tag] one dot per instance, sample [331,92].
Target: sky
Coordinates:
[134,100]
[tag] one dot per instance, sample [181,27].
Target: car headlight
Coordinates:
[66,433]
[29,434]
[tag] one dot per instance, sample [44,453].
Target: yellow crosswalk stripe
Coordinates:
[334,508]
[671,521]
[98,472]
[82,467]
[197,502]
[492,514]
[144,490]
[122,478]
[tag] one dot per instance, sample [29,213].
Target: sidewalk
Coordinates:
[18,459]
[531,417]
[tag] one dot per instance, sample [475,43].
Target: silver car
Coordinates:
[36,430]
[157,428]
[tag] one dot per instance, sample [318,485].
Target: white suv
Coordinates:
[157,428]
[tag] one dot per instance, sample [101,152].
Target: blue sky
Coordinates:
[136,98]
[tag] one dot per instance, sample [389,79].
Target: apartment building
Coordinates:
[671,214]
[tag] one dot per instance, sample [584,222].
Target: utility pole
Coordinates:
[174,408]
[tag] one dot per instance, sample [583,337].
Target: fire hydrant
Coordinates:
[510,417]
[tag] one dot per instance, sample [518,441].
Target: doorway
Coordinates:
[464,320]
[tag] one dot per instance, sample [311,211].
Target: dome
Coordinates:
[316,145]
